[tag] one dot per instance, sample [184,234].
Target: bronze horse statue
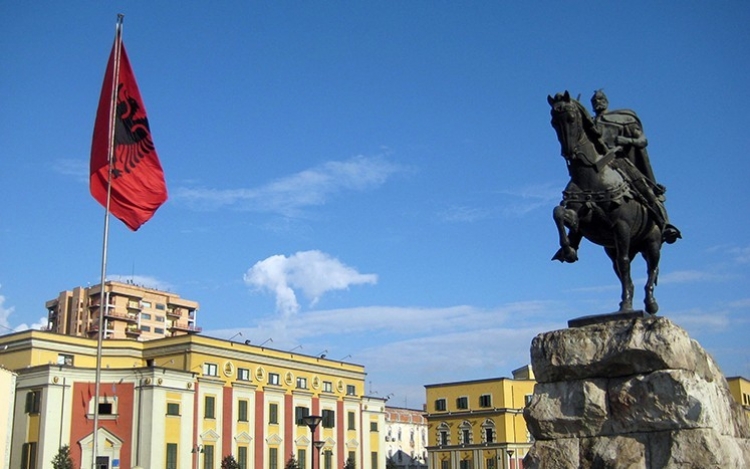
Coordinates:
[600,204]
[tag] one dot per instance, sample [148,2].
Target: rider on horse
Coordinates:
[623,128]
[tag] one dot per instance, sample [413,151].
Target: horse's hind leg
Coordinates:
[621,259]
[652,255]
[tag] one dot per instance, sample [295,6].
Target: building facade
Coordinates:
[186,402]
[8,391]
[405,438]
[479,424]
[740,389]
[132,312]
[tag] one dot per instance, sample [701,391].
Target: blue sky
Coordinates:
[376,179]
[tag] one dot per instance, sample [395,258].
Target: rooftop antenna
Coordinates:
[267,341]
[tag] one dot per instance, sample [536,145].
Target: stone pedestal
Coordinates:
[633,393]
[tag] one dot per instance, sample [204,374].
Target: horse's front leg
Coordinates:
[568,251]
[621,259]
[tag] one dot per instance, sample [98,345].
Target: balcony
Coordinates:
[134,305]
[174,312]
[109,313]
[185,327]
[133,330]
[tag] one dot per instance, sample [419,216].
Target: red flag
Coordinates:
[138,186]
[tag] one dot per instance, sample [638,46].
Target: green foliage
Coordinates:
[62,459]
[292,463]
[229,463]
[389,464]
[350,464]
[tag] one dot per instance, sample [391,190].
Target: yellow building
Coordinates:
[186,402]
[132,312]
[740,389]
[8,391]
[479,424]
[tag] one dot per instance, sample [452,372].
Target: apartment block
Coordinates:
[406,438]
[479,424]
[131,312]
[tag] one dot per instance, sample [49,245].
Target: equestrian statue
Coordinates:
[612,199]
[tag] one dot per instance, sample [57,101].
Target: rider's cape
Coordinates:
[629,125]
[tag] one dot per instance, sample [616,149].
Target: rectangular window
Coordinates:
[145,304]
[243,374]
[444,438]
[65,359]
[145,316]
[465,464]
[301,459]
[242,456]
[373,426]
[105,408]
[208,457]
[466,436]
[242,411]
[353,458]
[173,408]
[485,400]
[327,386]
[158,330]
[209,411]
[527,399]
[273,458]
[146,328]
[159,318]
[462,402]
[33,401]
[329,418]
[489,435]
[440,404]
[210,369]
[445,464]
[490,463]
[161,306]
[299,414]
[28,456]
[351,420]
[301,383]
[374,460]
[171,456]
[327,459]
[351,390]
[273,378]
[273,413]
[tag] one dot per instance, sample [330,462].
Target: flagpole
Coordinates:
[103,300]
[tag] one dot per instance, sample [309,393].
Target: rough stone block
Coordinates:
[614,452]
[567,409]
[556,454]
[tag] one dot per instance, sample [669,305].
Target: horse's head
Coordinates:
[567,120]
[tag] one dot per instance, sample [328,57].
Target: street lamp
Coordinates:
[510,455]
[312,421]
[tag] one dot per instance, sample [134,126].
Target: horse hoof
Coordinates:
[565,255]
[652,307]
[670,234]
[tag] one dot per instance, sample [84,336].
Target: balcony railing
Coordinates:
[178,326]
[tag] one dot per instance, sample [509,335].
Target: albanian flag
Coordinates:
[138,186]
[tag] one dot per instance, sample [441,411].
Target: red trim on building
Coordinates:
[227,421]
[315,453]
[260,434]
[340,435]
[122,426]
[289,426]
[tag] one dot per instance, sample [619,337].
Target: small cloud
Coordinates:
[463,214]
[5,312]
[78,169]
[41,324]
[311,272]
[690,276]
[289,195]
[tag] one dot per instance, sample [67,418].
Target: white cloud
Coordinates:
[5,312]
[311,272]
[77,168]
[288,195]
[39,325]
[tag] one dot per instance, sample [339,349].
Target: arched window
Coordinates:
[465,436]
[488,431]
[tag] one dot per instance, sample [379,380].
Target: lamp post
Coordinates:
[312,421]
[197,450]
[318,445]
[510,455]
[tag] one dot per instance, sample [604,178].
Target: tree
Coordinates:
[350,464]
[62,459]
[292,463]
[229,463]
